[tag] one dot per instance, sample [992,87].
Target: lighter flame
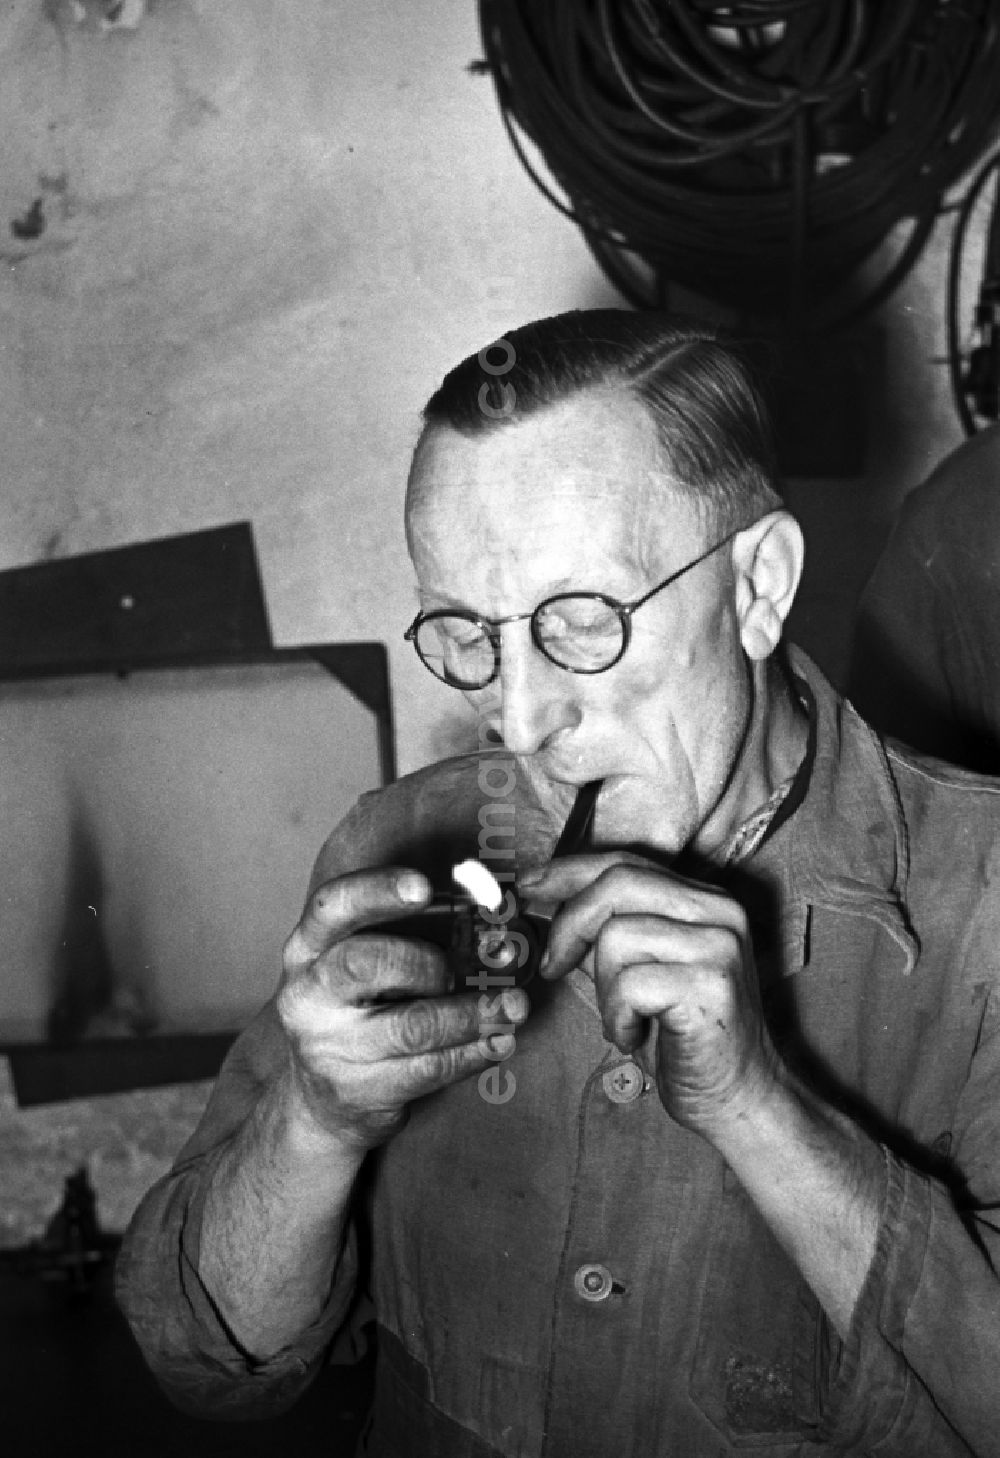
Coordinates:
[480,883]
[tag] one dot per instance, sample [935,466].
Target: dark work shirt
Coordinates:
[567,1273]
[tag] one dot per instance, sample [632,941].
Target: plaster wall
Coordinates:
[269,229]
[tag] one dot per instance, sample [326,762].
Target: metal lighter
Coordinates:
[490,940]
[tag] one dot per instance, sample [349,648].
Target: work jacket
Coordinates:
[558,1270]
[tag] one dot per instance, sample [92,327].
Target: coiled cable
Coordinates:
[757,153]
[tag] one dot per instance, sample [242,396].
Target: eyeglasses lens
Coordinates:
[579,632]
[456,650]
[582,632]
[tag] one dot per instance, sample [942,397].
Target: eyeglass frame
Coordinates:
[491,626]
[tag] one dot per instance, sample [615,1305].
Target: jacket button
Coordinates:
[624,1082]
[593,1283]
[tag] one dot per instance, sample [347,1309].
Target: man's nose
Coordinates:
[536,696]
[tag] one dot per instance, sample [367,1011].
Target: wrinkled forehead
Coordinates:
[589,467]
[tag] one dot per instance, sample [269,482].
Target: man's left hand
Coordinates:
[664,948]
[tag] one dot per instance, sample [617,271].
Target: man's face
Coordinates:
[575,499]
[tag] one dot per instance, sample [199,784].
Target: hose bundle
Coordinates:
[758,152]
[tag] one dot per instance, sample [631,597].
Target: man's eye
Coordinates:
[586,618]
[468,636]
[457,635]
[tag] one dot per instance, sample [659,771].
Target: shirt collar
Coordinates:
[845,846]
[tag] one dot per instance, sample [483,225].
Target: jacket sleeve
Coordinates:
[181,1333]
[182,1336]
[918,1373]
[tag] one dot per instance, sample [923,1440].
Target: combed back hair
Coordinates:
[695,380]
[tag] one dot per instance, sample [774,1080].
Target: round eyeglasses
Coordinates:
[583,632]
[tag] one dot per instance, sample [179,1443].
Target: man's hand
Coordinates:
[665,948]
[369,1019]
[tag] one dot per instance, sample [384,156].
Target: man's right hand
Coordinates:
[369,1019]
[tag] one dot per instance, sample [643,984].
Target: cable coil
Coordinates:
[757,153]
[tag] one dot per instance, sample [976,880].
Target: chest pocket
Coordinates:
[758,1360]
[851,1020]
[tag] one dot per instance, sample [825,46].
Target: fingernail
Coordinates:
[514,1003]
[501,1044]
[410,887]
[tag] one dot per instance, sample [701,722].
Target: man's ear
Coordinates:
[767,558]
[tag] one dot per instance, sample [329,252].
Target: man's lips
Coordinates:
[566,766]
[561,772]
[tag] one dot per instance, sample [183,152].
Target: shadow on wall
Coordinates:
[87,998]
[172,818]
[176,815]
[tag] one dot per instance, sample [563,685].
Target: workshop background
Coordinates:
[269,228]
[240,242]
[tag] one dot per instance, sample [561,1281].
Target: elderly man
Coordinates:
[725,1174]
